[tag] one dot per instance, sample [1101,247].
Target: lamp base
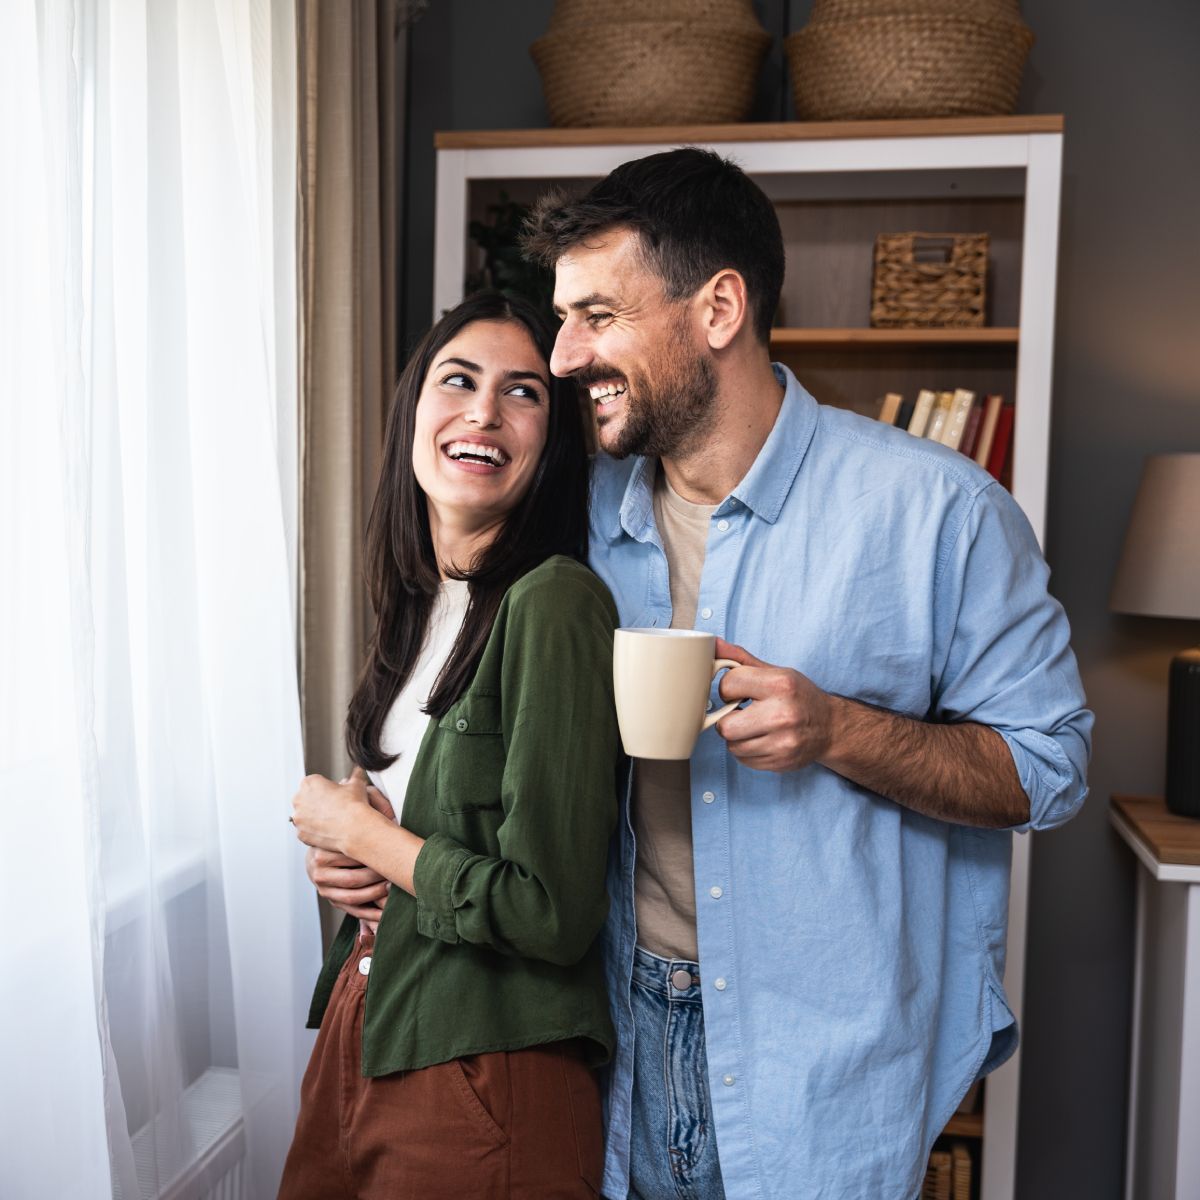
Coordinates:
[1183,735]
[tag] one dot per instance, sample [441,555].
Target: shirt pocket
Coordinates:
[471,763]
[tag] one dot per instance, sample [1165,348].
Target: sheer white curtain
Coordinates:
[159,937]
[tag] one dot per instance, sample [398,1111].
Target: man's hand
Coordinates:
[790,723]
[347,884]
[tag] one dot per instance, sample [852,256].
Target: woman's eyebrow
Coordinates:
[458,362]
[517,375]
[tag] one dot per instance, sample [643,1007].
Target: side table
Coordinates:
[1163,1146]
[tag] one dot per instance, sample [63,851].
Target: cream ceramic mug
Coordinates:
[662,678]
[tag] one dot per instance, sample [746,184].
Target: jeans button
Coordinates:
[681,980]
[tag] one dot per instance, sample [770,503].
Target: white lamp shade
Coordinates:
[1159,574]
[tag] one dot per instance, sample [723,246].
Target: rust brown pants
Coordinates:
[520,1124]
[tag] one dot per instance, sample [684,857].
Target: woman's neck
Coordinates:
[457,542]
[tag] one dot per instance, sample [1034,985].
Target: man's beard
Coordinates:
[666,415]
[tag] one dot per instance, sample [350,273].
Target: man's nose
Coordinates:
[570,352]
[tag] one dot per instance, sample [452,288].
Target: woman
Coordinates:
[458,1038]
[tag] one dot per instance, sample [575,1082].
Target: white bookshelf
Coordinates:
[829,182]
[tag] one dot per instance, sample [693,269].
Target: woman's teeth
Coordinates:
[473,452]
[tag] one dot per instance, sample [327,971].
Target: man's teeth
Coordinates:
[602,391]
[473,452]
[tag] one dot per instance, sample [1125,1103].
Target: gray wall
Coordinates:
[1127,383]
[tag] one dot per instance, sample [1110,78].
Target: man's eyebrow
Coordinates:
[587,302]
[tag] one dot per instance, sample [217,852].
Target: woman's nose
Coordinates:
[484,409]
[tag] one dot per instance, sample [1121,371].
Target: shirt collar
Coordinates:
[764,487]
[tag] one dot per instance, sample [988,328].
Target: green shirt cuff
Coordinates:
[434,873]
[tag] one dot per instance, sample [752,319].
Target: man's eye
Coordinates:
[458,379]
[599,318]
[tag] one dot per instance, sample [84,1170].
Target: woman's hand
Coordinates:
[329,815]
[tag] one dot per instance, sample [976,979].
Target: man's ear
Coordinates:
[724,308]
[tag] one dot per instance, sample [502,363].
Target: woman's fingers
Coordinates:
[358,897]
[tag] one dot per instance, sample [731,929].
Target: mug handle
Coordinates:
[719,665]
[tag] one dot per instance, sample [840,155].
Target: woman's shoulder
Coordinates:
[560,584]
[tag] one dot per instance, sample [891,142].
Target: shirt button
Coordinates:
[706,613]
[461,724]
[681,980]
[364,965]
[719,984]
[722,525]
[728,1081]
[715,893]
[709,797]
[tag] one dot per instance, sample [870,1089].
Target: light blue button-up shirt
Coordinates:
[861,945]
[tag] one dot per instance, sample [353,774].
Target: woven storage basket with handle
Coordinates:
[908,58]
[929,280]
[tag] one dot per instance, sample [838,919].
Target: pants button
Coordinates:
[681,980]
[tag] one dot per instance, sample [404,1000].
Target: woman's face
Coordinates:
[481,424]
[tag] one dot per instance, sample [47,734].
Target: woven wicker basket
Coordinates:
[715,14]
[960,1168]
[908,58]
[654,72]
[929,280]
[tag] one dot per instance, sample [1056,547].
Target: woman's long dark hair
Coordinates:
[400,566]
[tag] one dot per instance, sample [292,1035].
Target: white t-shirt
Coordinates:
[404,726]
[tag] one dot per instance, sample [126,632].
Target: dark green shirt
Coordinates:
[515,792]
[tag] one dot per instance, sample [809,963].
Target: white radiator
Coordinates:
[208,1164]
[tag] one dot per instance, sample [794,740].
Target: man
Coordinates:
[807,938]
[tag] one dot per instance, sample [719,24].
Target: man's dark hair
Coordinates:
[695,213]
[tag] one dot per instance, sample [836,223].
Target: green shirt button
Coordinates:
[461,724]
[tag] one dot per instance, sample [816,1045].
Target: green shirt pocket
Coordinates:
[471,756]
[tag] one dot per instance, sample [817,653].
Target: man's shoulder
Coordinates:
[847,439]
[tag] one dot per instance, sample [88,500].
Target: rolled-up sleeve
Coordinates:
[1003,656]
[543,895]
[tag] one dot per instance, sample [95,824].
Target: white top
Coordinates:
[405,724]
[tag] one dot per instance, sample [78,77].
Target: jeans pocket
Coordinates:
[583,1098]
[460,1072]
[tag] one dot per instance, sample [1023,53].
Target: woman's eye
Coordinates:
[458,379]
[526,392]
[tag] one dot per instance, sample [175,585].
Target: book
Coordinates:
[921,410]
[971,433]
[987,428]
[939,416]
[1002,442]
[890,407]
[905,414]
[956,421]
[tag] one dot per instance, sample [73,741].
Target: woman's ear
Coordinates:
[724,308]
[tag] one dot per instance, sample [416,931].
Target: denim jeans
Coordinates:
[673,1152]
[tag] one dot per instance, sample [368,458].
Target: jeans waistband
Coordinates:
[663,975]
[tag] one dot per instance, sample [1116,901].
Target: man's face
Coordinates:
[634,353]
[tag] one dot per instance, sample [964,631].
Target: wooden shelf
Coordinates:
[891,339]
[763,131]
[964,1125]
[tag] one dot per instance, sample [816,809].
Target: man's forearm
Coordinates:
[959,773]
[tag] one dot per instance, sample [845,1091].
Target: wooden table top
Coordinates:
[1171,839]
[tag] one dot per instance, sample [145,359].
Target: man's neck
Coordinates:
[748,403]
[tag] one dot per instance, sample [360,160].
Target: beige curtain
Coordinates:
[350,69]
